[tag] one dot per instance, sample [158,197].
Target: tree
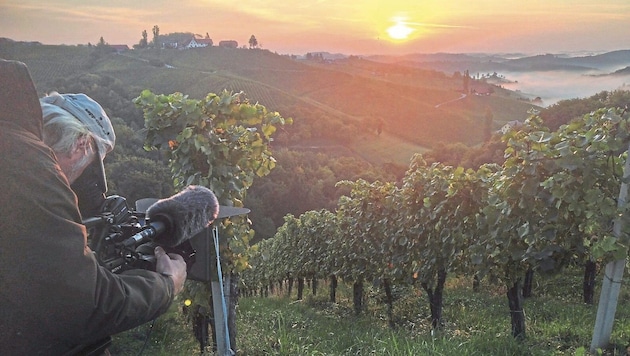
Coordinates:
[156,35]
[143,41]
[253,42]
[466,84]
[488,119]
[102,48]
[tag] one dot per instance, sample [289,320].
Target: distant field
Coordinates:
[386,149]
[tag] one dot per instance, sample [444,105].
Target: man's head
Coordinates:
[79,131]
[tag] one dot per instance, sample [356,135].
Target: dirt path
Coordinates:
[450,101]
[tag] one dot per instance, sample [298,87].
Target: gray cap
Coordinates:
[91,114]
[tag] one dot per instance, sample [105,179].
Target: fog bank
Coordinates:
[553,86]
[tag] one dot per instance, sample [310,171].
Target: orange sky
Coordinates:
[345,26]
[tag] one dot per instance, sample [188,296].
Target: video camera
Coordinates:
[123,238]
[113,236]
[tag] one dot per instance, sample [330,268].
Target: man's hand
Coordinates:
[172,265]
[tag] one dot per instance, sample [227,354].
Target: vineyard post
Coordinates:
[612,277]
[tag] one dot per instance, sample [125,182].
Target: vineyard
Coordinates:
[347,91]
[552,204]
[346,97]
[48,63]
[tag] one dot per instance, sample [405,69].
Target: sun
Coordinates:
[399,31]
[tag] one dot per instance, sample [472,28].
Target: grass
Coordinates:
[386,148]
[168,335]
[475,323]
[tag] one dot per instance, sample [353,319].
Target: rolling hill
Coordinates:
[417,107]
[513,62]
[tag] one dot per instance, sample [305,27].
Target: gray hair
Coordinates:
[62,130]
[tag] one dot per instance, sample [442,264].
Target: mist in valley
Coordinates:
[553,86]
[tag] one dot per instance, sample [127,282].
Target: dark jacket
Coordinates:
[53,293]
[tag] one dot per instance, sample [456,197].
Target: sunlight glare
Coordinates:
[399,31]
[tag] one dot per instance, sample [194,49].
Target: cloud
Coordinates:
[435,25]
[342,25]
[82,13]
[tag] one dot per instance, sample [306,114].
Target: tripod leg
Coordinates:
[200,328]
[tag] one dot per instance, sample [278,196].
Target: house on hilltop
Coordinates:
[170,44]
[481,89]
[228,44]
[120,48]
[199,43]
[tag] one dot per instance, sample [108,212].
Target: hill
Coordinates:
[344,100]
[513,62]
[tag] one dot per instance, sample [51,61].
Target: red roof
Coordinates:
[207,41]
[120,48]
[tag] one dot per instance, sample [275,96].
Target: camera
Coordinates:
[121,239]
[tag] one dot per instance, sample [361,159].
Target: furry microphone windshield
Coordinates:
[183,214]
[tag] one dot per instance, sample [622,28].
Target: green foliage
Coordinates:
[111,93]
[559,325]
[176,37]
[220,142]
[326,101]
[565,111]
[312,177]
[156,36]
[551,203]
[144,42]
[169,335]
[253,42]
[136,178]
[459,155]
[368,243]
[441,204]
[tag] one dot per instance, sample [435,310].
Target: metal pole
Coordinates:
[219,305]
[613,276]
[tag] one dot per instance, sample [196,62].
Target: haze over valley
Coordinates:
[550,77]
[553,86]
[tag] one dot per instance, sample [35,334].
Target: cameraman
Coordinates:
[53,293]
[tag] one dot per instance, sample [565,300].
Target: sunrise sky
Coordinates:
[336,26]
